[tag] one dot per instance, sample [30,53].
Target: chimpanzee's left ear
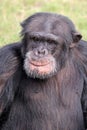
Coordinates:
[76,37]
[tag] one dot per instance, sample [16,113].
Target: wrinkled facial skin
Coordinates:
[40,61]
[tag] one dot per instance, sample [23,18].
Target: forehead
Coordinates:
[48,23]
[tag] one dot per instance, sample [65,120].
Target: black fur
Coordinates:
[52,101]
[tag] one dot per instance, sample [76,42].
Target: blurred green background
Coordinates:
[13,12]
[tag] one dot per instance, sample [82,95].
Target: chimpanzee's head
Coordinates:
[46,40]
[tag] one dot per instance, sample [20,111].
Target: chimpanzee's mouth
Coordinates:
[39,63]
[40,67]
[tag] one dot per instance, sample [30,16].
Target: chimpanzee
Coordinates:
[43,78]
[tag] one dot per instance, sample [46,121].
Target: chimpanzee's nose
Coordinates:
[41,51]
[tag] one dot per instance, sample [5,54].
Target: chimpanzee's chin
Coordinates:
[36,75]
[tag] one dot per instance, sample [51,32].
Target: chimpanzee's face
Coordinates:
[40,57]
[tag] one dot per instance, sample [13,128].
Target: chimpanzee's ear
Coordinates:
[23,24]
[76,37]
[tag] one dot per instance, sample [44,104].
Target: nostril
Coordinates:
[42,51]
[45,52]
[39,52]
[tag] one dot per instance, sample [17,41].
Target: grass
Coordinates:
[12,13]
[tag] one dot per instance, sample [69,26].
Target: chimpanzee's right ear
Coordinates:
[23,47]
[23,24]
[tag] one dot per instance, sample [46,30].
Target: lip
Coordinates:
[39,64]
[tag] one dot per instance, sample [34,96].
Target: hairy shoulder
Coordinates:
[10,58]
